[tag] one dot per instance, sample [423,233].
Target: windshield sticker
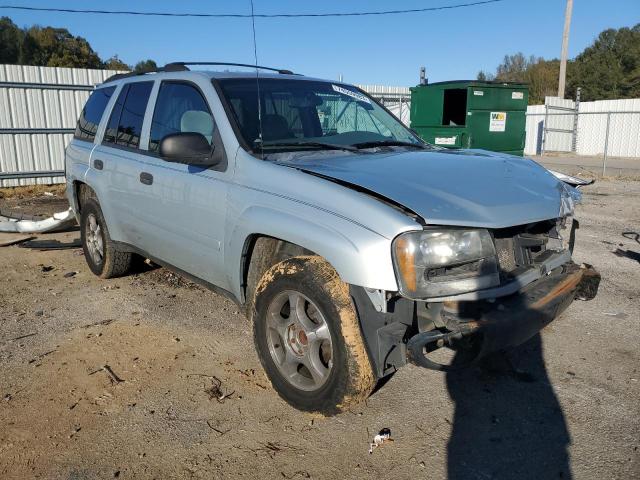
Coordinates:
[357,95]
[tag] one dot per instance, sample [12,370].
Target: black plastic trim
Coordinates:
[231,116]
[385,334]
[126,247]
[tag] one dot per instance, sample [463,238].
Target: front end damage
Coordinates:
[538,281]
[484,327]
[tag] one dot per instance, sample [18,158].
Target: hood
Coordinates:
[472,188]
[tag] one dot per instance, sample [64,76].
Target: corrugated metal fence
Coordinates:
[396,99]
[39,107]
[608,128]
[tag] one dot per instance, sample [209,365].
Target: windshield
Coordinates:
[310,114]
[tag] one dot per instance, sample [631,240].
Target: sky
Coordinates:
[383,50]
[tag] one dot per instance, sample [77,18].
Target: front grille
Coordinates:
[506,256]
[518,247]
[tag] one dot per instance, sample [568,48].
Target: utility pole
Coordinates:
[565,48]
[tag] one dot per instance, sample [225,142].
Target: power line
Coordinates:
[240,15]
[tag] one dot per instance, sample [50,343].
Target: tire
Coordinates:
[322,307]
[102,255]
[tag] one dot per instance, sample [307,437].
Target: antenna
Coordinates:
[255,56]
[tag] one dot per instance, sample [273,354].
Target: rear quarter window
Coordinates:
[125,124]
[92,113]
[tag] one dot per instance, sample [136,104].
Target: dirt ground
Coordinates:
[123,378]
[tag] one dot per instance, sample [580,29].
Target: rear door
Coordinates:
[116,163]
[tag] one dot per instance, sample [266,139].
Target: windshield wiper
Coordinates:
[389,143]
[320,145]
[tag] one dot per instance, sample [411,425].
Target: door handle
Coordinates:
[98,164]
[146,178]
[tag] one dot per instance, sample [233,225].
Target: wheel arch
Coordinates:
[359,256]
[260,252]
[81,192]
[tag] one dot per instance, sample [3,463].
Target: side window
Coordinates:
[92,113]
[180,108]
[125,124]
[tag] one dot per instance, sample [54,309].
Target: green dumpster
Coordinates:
[471,114]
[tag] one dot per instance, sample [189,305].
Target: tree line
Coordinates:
[55,47]
[607,69]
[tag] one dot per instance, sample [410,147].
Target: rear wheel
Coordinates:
[307,335]
[102,255]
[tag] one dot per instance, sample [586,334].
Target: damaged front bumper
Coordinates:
[409,331]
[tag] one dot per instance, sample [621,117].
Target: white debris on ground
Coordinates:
[58,221]
[383,435]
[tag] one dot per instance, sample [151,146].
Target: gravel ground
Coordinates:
[122,378]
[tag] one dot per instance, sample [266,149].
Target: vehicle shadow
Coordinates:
[507,422]
[627,254]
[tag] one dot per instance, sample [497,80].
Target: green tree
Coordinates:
[11,38]
[514,67]
[114,63]
[542,77]
[56,47]
[53,47]
[485,76]
[609,68]
[145,66]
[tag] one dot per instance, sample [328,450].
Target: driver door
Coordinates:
[185,206]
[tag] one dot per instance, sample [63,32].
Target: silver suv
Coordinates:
[352,246]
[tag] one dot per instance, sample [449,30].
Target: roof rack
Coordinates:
[170,67]
[177,65]
[182,67]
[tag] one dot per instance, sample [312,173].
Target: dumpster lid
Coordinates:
[477,83]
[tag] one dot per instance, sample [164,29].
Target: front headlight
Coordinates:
[434,263]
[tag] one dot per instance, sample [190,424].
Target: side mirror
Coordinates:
[187,147]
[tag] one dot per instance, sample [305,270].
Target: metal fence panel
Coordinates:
[38,108]
[534,130]
[558,128]
[624,128]
[613,125]
[396,99]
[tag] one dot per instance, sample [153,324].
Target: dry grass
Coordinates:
[31,190]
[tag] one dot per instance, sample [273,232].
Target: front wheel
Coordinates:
[308,338]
